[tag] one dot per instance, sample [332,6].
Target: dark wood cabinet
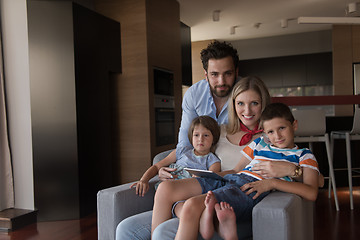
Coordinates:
[291,71]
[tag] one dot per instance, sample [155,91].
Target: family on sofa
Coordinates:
[237,107]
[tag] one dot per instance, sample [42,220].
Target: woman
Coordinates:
[248,98]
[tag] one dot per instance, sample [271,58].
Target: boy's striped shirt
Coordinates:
[260,150]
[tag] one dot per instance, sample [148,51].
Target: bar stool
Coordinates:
[312,128]
[354,134]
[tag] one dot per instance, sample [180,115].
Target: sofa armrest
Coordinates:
[283,216]
[117,203]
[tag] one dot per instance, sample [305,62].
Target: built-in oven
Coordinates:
[164,106]
[164,120]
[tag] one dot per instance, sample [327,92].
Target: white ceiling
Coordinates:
[197,14]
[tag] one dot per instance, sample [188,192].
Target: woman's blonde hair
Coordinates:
[244,84]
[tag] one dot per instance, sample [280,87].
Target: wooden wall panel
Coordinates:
[133,137]
[150,31]
[356,43]
[164,51]
[197,68]
[342,66]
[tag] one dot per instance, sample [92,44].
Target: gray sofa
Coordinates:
[278,216]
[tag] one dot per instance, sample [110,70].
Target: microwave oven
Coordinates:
[163,82]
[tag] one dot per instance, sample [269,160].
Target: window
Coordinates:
[321,90]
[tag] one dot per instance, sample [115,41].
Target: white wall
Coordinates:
[17,85]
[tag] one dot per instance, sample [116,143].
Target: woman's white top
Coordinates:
[228,153]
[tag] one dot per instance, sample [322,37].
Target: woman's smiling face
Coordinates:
[248,108]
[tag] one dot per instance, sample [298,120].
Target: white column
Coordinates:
[17,87]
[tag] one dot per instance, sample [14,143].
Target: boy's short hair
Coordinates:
[276,110]
[208,123]
[218,50]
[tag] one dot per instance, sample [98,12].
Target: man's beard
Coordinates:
[220,93]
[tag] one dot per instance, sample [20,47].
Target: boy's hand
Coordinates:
[274,169]
[258,186]
[141,187]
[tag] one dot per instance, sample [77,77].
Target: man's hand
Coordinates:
[274,169]
[141,187]
[165,173]
[258,186]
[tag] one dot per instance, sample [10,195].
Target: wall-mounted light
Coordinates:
[352,7]
[232,30]
[284,23]
[257,25]
[216,15]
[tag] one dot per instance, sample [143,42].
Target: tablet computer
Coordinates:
[204,173]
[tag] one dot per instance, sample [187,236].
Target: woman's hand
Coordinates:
[258,186]
[141,187]
[274,169]
[165,173]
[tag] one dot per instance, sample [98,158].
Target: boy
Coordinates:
[244,189]
[279,125]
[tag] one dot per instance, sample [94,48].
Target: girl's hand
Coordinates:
[274,169]
[141,187]
[165,173]
[258,186]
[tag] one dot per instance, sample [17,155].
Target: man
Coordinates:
[207,97]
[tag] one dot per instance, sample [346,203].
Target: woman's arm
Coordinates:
[308,189]
[142,186]
[215,167]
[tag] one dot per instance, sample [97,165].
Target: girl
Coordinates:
[203,134]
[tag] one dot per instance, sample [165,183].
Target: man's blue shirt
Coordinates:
[198,101]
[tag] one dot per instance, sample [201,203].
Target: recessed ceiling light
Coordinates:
[216,15]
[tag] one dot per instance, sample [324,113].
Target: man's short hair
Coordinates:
[276,110]
[219,50]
